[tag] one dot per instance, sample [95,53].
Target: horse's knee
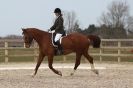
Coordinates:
[50,66]
[91,60]
[78,63]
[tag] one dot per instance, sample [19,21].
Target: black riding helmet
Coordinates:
[57,10]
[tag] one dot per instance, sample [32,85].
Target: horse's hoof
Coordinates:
[59,73]
[96,72]
[71,74]
[33,75]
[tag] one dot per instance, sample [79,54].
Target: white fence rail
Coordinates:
[119,46]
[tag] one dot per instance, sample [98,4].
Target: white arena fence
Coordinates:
[116,48]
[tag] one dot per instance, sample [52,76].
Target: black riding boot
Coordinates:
[60,49]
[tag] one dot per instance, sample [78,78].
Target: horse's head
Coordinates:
[27,37]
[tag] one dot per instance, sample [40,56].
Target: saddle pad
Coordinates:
[53,37]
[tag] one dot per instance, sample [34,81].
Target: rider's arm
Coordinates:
[53,27]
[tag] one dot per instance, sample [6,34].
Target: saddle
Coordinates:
[57,51]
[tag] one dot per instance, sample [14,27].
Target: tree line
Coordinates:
[115,23]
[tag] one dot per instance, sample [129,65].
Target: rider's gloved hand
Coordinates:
[53,31]
[49,30]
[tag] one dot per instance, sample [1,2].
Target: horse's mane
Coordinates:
[37,34]
[36,30]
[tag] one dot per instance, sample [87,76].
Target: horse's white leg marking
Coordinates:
[93,69]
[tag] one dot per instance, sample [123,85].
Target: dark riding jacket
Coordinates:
[58,25]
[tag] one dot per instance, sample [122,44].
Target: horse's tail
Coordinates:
[94,41]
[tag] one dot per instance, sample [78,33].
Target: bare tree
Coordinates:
[115,19]
[130,27]
[130,23]
[116,14]
[70,21]
[13,37]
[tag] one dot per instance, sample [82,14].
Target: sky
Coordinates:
[17,14]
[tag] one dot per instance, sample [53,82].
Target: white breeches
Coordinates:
[57,37]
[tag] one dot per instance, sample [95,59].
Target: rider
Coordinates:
[58,28]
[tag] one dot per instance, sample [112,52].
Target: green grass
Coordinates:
[69,58]
[21,59]
[2,59]
[17,52]
[129,59]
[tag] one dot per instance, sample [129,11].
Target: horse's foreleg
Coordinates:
[50,62]
[40,59]
[90,59]
[77,63]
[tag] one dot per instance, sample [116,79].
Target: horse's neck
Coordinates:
[39,36]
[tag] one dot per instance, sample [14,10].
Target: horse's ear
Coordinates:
[23,29]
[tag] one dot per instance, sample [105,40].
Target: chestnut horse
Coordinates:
[74,42]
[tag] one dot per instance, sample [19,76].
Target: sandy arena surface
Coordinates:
[113,75]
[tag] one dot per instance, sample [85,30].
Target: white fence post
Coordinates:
[119,51]
[6,52]
[101,52]
[64,58]
[24,45]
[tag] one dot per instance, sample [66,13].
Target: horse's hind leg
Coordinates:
[90,59]
[77,62]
